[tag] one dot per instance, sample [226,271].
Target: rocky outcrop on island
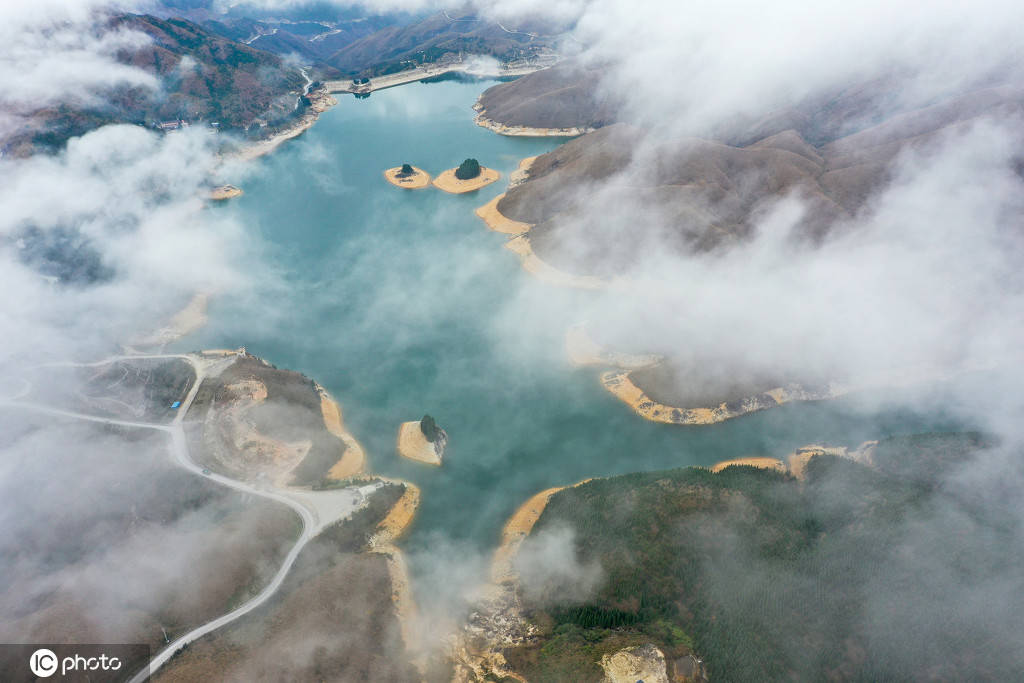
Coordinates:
[641,663]
[455,181]
[407,177]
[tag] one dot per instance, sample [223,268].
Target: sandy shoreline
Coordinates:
[498,222]
[796,462]
[584,351]
[417,181]
[353,460]
[497,621]
[798,459]
[320,101]
[389,529]
[520,244]
[620,385]
[527,132]
[483,121]
[413,444]
[763,463]
[544,271]
[522,173]
[399,517]
[517,528]
[515,531]
[447,181]
[184,322]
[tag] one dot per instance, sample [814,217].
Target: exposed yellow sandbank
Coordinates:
[402,596]
[184,322]
[583,351]
[763,463]
[521,174]
[520,242]
[483,121]
[498,222]
[620,385]
[190,318]
[223,192]
[353,460]
[449,183]
[547,273]
[399,517]
[413,444]
[417,180]
[389,529]
[799,458]
[515,531]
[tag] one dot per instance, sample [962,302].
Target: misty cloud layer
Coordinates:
[59,52]
[130,200]
[924,281]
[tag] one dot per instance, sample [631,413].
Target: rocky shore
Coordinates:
[619,384]
[482,120]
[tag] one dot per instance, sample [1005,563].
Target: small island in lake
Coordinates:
[422,440]
[407,176]
[469,176]
[223,192]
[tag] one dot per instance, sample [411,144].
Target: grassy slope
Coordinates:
[222,80]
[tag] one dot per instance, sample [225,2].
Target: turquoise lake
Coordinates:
[402,303]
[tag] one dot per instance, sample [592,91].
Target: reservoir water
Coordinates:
[402,303]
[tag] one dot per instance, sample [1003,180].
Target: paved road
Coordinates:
[304,504]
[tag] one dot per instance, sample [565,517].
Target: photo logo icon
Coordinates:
[43,663]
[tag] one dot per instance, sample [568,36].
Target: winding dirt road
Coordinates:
[316,510]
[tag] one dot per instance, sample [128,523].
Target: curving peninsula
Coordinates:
[407,177]
[620,385]
[545,272]
[499,222]
[395,523]
[520,244]
[353,459]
